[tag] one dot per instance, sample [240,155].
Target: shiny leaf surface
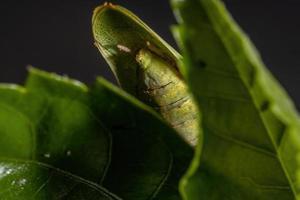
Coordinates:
[48,133]
[61,139]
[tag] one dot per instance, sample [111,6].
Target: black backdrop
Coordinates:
[55,36]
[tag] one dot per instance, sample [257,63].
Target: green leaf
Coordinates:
[145,66]
[148,157]
[50,122]
[251,130]
[52,135]
[63,131]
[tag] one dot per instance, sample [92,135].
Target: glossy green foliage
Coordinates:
[48,132]
[145,66]
[60,128]
[61,140]
[251,141]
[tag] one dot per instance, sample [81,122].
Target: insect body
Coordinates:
[161,86]
[145,66]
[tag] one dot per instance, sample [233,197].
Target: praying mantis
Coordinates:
[146,67]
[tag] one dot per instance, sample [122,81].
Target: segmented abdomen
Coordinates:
[161,86]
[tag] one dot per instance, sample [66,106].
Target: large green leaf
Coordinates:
[148,157]
[52,129]
[62,131]
[145,66]
[251,128]
[48,132]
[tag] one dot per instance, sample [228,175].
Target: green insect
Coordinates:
[145,66]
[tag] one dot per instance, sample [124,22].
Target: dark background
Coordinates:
[56,36]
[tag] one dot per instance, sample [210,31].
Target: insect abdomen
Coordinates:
[161,85]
